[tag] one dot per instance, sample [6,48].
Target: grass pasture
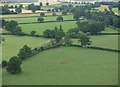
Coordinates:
[40,27]
[67,66]
[105,41]
[34,19]
[14,43]
[109,30]
[103,7]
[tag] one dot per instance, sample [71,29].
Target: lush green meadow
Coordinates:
[13,43]
[105,41]
[27,28]
[67,25]
[63,65]
[67,65]
[34,19]
[103,7]
[109,30]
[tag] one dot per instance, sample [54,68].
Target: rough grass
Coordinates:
[67,66]
[13,43]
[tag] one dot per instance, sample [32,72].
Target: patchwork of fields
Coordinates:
[64,65]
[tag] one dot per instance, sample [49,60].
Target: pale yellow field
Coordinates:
[36,3]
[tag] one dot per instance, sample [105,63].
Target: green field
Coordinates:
[14,43]
[105,41]
[102,8]
[109,30]
[67,66]
[34,19]
[27,28]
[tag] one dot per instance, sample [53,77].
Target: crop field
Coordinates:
[14,43]
[105,41]
[34,19]
[40,27]
[67,66]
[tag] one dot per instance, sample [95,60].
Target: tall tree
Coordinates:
[40,19]
[18,9]
[14,65]
[25,52]
[59,18]
[84,40]
[33,33]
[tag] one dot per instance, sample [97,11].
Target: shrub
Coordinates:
[4,63]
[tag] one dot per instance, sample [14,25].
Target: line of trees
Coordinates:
[13,66]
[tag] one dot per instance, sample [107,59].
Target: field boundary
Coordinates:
[95,47]
[44,22]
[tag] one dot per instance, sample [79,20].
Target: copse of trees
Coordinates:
[13,27]
[93,27]
[13,65]
[84,40]
[57,33]
[25,52]
[107,17]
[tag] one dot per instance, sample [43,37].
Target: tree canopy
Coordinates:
[14,65]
